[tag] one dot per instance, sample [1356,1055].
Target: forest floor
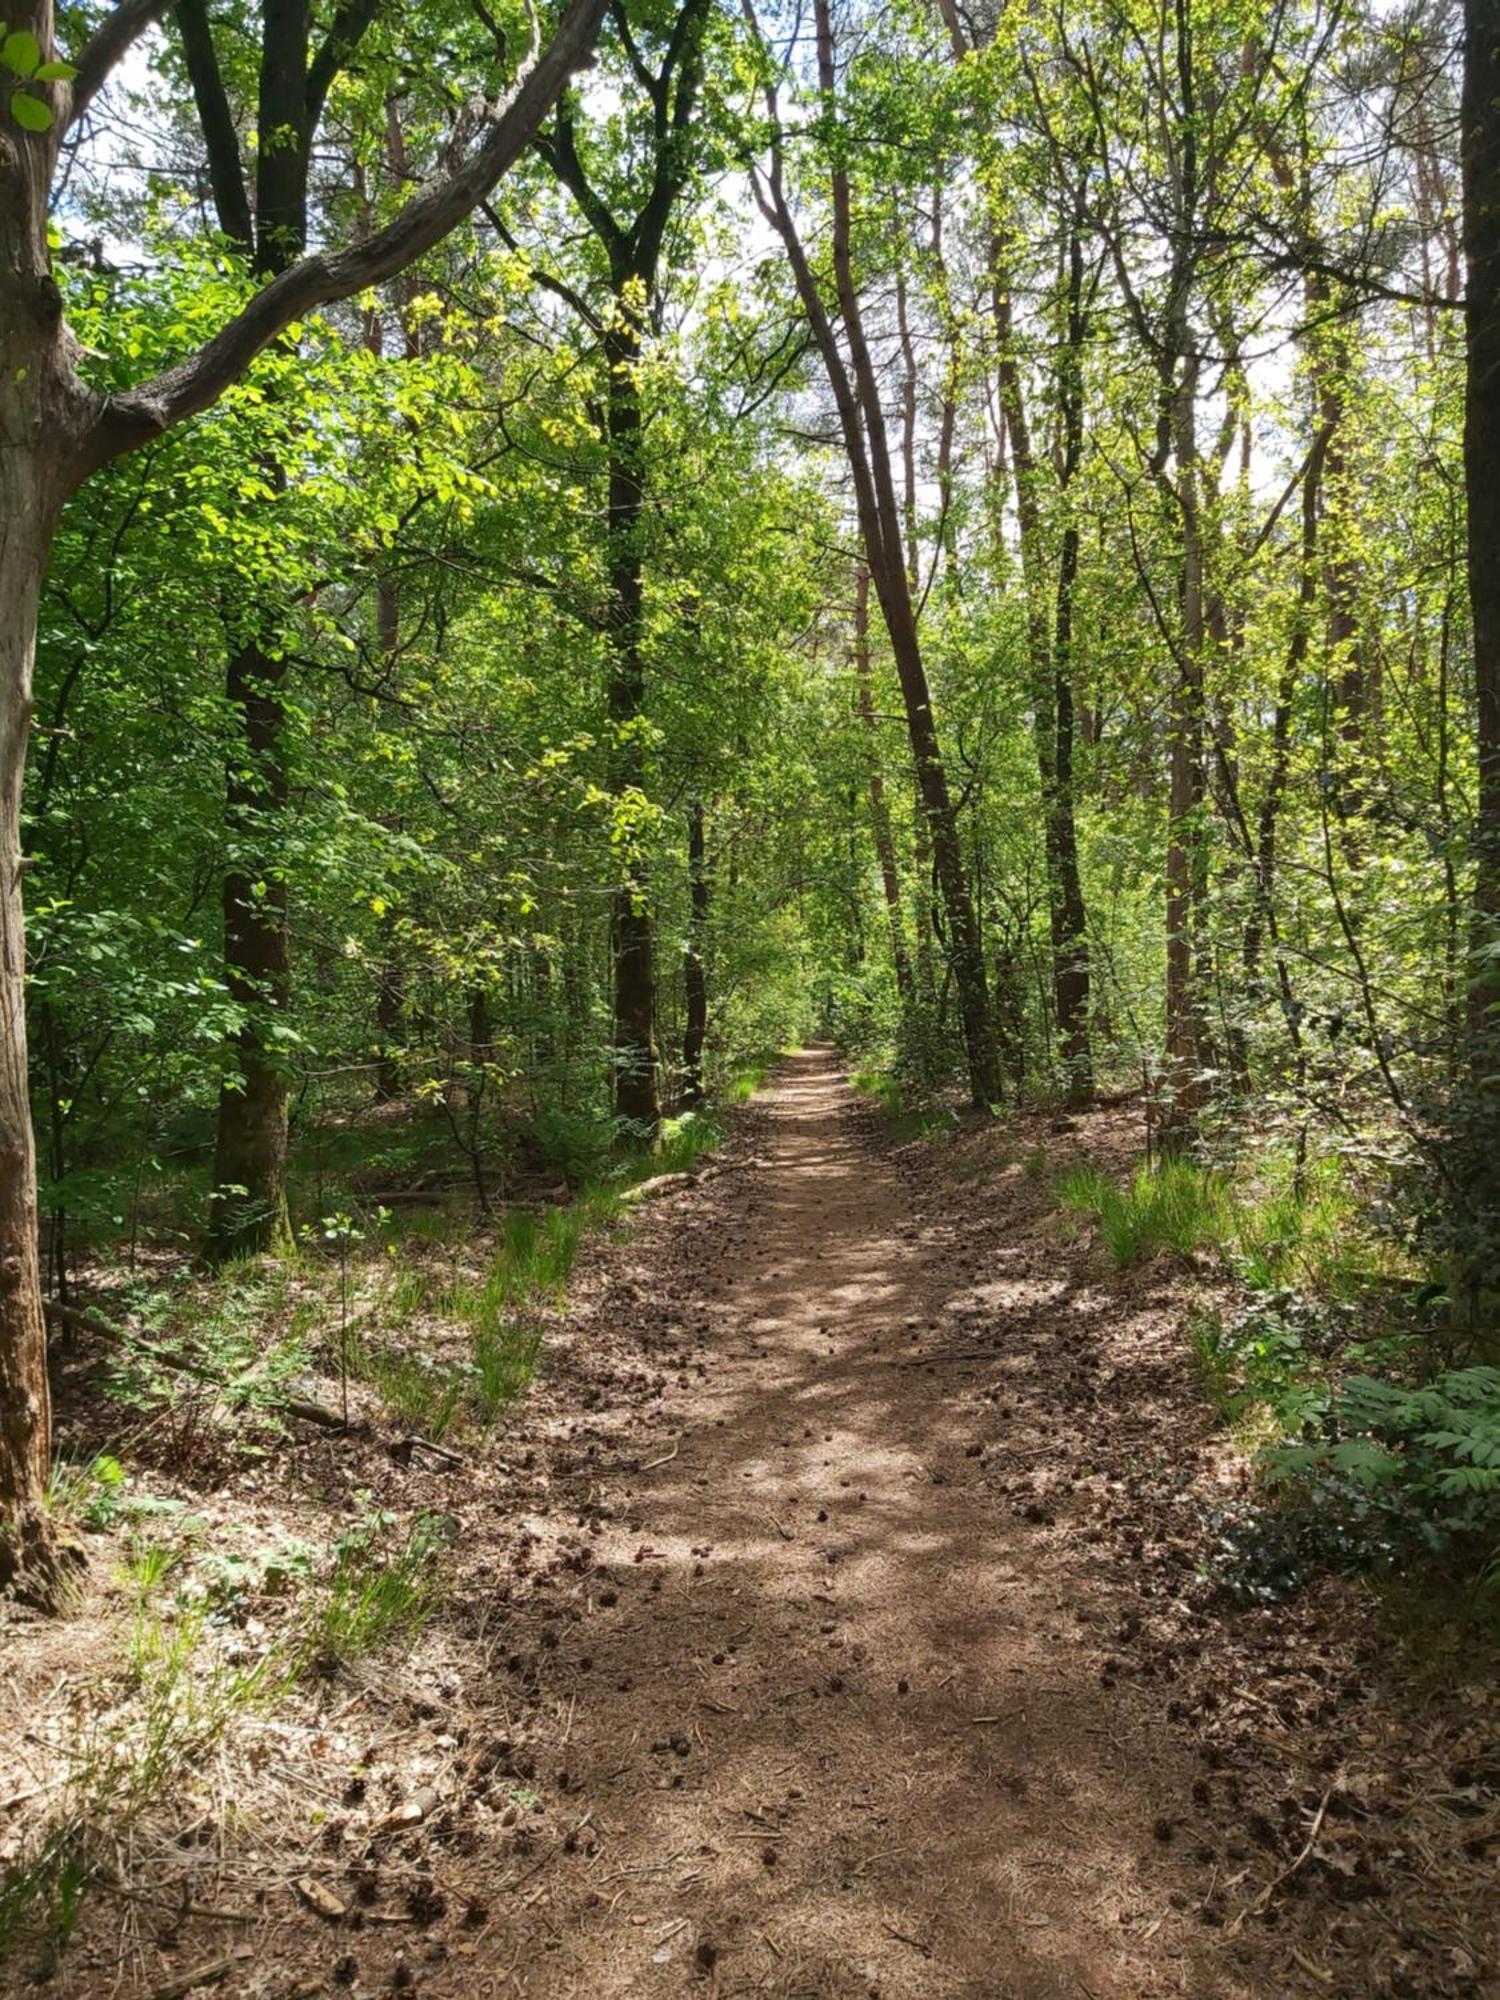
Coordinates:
[831,1622]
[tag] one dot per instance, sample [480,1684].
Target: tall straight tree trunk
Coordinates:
[637,1096]
[1050,643]
[695,961]
[27,509]
[880,812]
[1481,178]
[250,1147]
[634,247]
[1185,1090]
[45,417]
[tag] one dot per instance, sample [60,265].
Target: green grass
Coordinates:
[181,1696]
[1175,1207]
[908,1117]
[375,1593]
[1272,1234]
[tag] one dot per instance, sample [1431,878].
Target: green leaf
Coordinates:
[55,72]
[21,52]
[30,113]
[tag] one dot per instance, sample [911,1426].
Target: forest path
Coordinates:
[851,1738]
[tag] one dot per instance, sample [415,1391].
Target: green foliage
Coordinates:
[91,1494]
[21,55]
[379,1590]
[1174,1207]
[1292,1230]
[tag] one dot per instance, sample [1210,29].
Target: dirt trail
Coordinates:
[852,1738]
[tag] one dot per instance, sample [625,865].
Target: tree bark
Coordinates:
[634,250]
[695,961]
[249,1210]
[880,812]
[1184,1085]
[44,415]
[28,1556]
[1481,181]
[1051,647]
[637,1092]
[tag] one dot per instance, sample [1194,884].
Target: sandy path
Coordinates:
[852,1737]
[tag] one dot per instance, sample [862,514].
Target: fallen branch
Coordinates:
[665,1459]
[1254,1909]
[196,1975]
[952,1354]
[313,1413]
[439,1451]
[658,1184]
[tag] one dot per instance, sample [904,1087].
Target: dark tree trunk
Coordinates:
[880,812]
[695,961]
[1051,649]
[634,250]
[28,1556]
[637,1092]
[1481,175]
[249,1211]
[45,417]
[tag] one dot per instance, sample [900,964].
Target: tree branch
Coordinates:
[103,50]
[195,384]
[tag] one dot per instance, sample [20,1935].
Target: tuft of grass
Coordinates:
[685,1140]
[122,1765]
[375,1593]
[1276,1233]
[414,1387]
[504,1362]
[1175,1207]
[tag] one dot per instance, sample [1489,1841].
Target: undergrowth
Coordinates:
[910,1114]
[180,1686]
[1271,1233]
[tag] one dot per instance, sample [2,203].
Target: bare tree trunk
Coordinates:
[637,1098]
[44,417]
[250,1149]
[1185,1090]
[880,812]
[1051,653]
[28,1554]
[695,961]
[1481,174]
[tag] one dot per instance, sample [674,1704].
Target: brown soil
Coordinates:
[830,1627]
